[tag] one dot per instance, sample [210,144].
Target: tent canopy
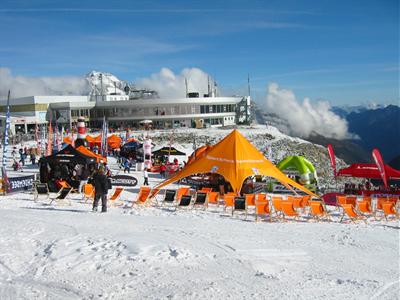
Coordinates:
[199,152]
[87,152]
[368,171]
[114,141]
[69,155]
[301,165]
[235,158]
[167,151]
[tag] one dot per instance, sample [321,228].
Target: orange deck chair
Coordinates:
[262,206]
[229,200]
[288,209]
[318,210]
[389,209]
[116,195]
[351,200]
[205,190]
[88,192]
[213,198]
[142,196]
[277,205]
[65,185]
[340,200]
[351,213]
[250,199]
[364,206]
[182,191]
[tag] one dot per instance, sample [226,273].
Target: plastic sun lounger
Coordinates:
[352,213]
[40,189]
[61,195]
[262,206]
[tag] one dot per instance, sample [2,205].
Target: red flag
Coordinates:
[333,159]
[381,166]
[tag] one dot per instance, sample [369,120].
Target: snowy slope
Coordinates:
[67,252]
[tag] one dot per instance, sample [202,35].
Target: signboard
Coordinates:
[123,180]
[23,183]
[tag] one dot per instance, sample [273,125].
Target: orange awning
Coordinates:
[87,152]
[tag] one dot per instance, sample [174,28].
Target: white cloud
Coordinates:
[22,86]
[169,85]
[305,118]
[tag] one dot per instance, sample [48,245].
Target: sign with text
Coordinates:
[123,180]
[18,184]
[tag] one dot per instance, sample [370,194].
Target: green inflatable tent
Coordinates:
[300,167]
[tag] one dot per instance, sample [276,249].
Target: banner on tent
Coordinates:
[123,180]
[18,184]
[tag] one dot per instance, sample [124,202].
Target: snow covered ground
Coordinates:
[67,252]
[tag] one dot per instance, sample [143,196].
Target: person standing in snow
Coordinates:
[101,185]
[146,177]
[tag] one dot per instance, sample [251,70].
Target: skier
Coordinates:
[101,185]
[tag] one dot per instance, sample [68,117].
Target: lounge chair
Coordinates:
[318,210]
[229,200]
[364,206]
[239,204]
[262,206]
[182,191]
[250,199]
[277,205]
[350,211]
[389,209]
[351,200]
[65,184]
[340,199]
[142,196]
[116,195]
[185,201]
[169,198]
[40,189]
[88,192]
[213,198]
[61,195]
[200,200]
[288,209]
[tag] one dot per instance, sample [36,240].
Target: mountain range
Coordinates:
[376,127]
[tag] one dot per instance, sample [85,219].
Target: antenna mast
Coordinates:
[186,86]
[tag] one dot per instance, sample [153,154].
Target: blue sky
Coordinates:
[346,52]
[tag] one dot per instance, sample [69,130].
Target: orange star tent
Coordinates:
[198,153]
[235,158]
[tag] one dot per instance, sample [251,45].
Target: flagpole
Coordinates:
[4,177]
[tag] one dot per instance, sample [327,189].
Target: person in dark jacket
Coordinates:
[100,182]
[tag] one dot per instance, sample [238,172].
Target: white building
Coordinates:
[122,112]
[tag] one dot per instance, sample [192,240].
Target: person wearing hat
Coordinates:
[101,185]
